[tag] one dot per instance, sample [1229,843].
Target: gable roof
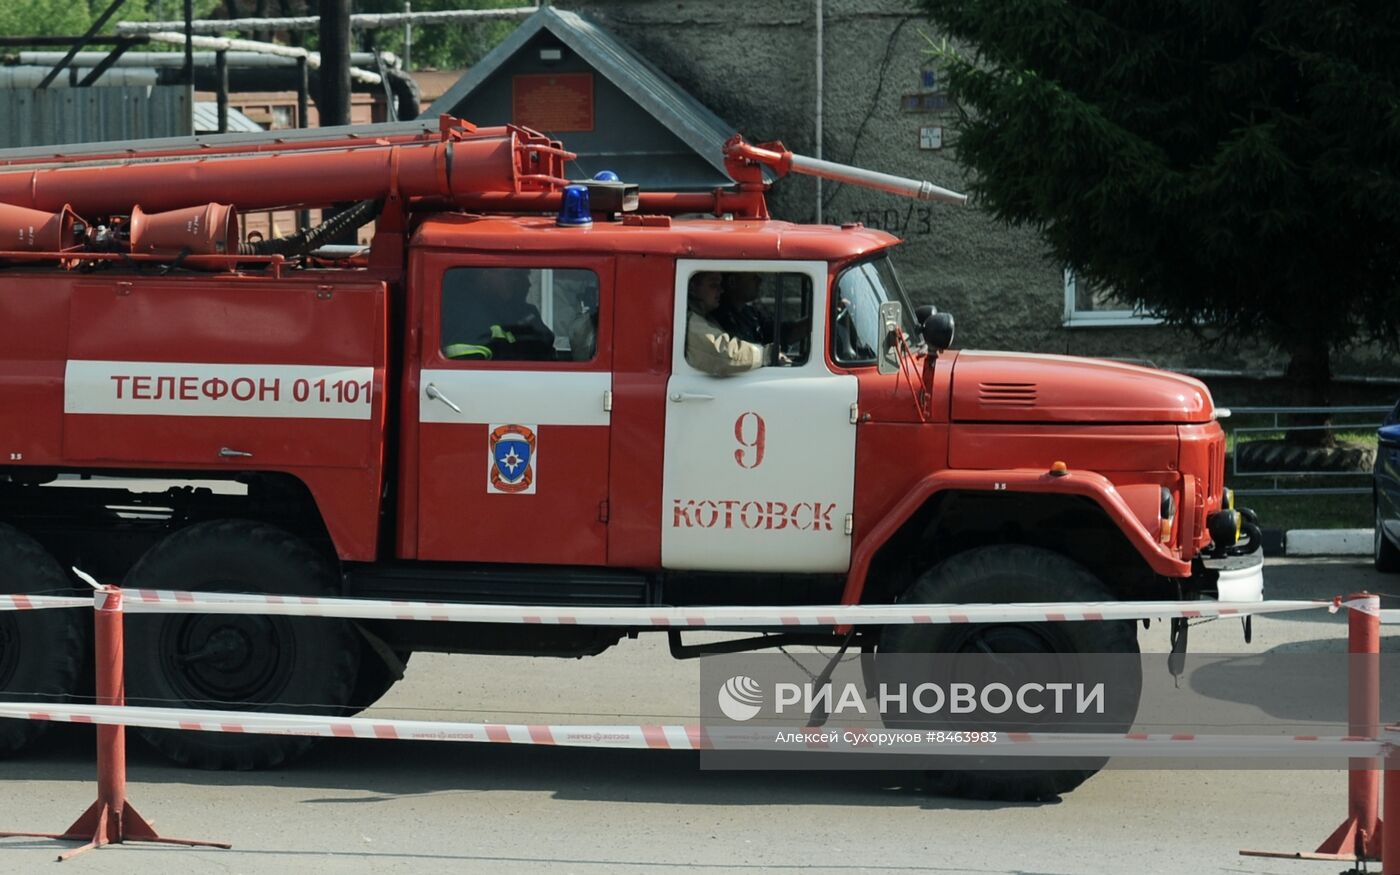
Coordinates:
[206,119]
[694,123]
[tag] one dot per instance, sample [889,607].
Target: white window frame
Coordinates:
[816,271]
[1076,318]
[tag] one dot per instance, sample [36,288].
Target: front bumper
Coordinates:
[1232,578]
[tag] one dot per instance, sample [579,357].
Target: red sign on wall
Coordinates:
[553,102]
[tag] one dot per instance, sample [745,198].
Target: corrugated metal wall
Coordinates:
[29,117]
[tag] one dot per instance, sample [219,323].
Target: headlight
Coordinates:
[1167,513]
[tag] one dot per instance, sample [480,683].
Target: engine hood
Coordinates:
[1019,387]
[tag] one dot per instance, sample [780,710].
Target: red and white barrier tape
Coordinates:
[40,602]
[166,602]
[149,601]
[695,737]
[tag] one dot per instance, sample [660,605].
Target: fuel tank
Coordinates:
[1022,387]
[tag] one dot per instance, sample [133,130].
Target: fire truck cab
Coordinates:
[635,456]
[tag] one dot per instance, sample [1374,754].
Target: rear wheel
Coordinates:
[40,651]
[1008,574]
[381,667]
[228,661]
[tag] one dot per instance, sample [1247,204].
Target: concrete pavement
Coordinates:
[360,806]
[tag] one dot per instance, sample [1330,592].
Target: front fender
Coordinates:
[1088,484]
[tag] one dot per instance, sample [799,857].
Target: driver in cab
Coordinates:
[708,347]
[500,323]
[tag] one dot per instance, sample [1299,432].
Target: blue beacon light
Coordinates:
[606,176]
[574,210]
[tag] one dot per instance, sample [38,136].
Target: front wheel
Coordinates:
[233,661]
[1011,574]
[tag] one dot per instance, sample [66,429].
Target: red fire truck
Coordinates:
[496,401]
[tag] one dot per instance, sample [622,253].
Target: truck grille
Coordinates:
[1006,394]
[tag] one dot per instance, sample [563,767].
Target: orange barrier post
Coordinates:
[1360,834]
[110,819]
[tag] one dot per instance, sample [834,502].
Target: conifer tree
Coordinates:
[1232,166]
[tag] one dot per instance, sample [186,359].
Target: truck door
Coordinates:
[514,403]
[760,465]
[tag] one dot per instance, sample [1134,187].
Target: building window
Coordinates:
[1088,305]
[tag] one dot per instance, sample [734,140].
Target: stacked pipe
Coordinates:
[311,177]
[508,159]
[185,201]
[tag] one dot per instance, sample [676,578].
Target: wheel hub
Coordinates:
[228,659]
[1005,639]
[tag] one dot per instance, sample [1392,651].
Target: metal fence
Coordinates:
[1265,462]
[33,117]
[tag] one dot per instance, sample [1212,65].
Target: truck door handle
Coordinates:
[435,394]
[678,397]
[230,453]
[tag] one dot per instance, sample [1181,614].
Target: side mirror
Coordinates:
[938,331]
[890,314]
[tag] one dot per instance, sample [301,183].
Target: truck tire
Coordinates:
[1280,455]
[41,652]
[375,678]
[236,662]
[1007,574]
[1383,553]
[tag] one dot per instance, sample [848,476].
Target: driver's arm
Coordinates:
[708,348]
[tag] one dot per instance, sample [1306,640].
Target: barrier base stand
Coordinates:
[1310,855]
[100,825]
[1364,847]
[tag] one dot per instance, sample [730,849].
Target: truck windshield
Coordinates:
[855,311]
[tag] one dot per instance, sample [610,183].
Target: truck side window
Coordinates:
[519,314]
[741,320]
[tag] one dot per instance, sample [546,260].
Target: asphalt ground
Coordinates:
[362,806]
